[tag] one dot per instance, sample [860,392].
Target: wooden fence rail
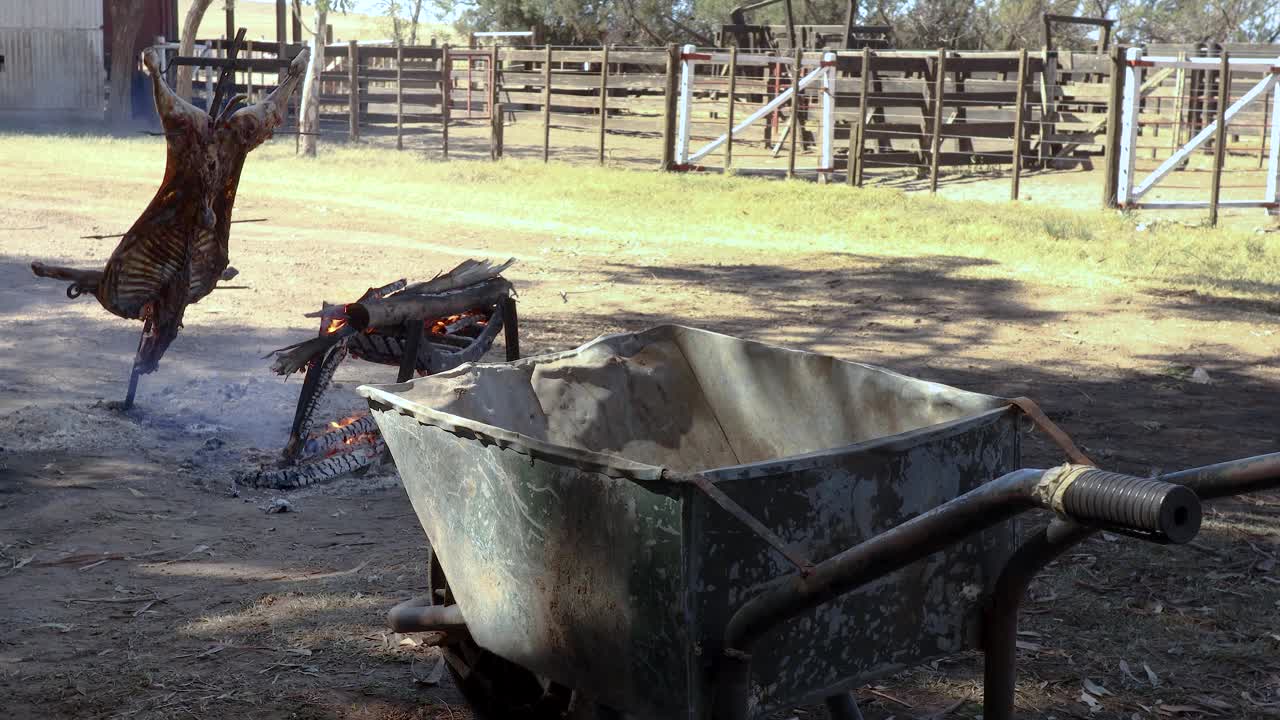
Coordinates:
[895,110]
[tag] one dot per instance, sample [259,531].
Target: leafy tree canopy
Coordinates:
[958,24]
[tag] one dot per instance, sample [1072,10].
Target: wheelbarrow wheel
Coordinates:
[497,688]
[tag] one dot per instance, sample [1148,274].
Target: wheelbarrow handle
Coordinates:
[1151,509]
[999,632]
[1234,477]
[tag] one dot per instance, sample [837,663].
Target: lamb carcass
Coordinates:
[177,250]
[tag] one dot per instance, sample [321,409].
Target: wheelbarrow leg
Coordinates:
[1000,624]
[843,707]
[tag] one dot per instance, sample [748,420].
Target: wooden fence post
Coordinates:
[353,90]
[1111,154]
[446,98]
[1220,142]
[858,135]
[793,124]
[399,96]
[495,131]
[1019,116]
[282,40]
[733,94]
[546,106]
[493,80]
[939,95]
[604,98]
[669,96]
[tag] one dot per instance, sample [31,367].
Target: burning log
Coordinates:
[336,438]
[177,250]
[425,327]
[402,308]
[470,285]
[296,476]
[312,391]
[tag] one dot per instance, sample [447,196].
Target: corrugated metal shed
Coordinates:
[52,57]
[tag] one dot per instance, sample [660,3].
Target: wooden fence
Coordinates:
[895,110]
[559,90]
[261,66]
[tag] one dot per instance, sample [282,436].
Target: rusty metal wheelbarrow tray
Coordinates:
[563,497]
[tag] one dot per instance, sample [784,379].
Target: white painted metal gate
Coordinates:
[1130,189]
[823,72]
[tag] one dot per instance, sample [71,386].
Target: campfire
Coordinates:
[422,328]
[177,250]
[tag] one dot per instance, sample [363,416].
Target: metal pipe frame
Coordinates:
[1000,629]
[1074,491]
[420,615]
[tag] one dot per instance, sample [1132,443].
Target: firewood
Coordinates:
[336,438]
[397,309]
[468,272]
[295,357]
[297,476]
[319,376]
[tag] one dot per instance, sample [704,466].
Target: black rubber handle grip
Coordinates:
[1149,509]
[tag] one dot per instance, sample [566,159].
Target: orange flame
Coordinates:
[441,326]
[351,443]
[335,324]
[344,422]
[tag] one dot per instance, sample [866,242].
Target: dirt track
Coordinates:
[134,587]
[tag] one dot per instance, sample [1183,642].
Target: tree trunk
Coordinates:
[126,21]
[187,44]
[310,111]
[413,26]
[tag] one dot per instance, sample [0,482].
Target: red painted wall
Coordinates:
[161,19]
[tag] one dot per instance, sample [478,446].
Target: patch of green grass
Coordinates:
[693,215]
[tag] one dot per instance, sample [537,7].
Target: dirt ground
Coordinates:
[134,586]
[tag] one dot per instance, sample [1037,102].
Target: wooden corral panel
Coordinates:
[52,57]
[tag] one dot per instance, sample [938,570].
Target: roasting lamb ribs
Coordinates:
[177,250]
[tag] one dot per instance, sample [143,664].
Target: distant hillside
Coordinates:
[259,18]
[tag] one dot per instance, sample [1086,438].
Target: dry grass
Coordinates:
[693,214]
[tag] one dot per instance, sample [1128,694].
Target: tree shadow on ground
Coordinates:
[1219,305]
[934,319]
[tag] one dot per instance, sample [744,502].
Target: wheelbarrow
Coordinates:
[680,524]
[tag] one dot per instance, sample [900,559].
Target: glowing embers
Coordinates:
[422,328]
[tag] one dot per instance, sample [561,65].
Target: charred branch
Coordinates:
[425,327]
[319,376]
[386,310]
[295,357]
[298,476]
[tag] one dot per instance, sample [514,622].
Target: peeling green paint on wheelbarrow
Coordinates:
[557,495]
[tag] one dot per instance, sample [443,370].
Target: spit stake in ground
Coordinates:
[177,250]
